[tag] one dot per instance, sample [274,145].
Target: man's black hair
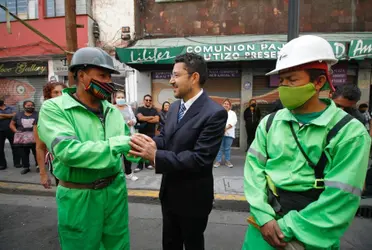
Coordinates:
[363,106]
[27,101]
[147,96]
[194,63]
[348,91]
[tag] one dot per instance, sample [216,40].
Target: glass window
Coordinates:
[24,9]
[57,7]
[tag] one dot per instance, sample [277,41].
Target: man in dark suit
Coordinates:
[184,153]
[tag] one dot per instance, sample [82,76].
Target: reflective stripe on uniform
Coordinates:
[257,154]
[62,138]
[345,187]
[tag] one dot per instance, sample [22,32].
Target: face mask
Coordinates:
[253,105]
[1,102]
[99,89]
[294,97]
[120,102]
[29,110]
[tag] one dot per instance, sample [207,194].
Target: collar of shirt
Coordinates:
[192,100]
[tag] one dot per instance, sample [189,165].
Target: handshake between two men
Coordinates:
[143,146]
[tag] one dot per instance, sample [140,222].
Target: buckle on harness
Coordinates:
[99,184]
[319,183]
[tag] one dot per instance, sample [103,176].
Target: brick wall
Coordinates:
[229,17]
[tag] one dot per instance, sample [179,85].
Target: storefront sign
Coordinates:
[60,67]
[28,68]
[212,73]
[212,52]
[339,74]
[360,49]
[220,73]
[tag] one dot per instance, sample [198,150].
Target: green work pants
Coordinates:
[94,219]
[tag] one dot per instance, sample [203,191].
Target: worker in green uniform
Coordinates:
[86,135]
[305,170]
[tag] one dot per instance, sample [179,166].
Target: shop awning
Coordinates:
[235,48]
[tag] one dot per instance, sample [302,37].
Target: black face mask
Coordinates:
[1,102]
[29,110]
[253,105]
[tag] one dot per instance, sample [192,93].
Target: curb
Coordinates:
[232,202]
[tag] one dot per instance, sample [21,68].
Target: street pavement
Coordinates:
[226,180]
[30,223]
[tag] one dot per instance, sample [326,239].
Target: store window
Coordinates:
[24,9]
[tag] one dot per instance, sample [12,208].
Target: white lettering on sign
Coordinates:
[361,49]
[150,56]
[340,49]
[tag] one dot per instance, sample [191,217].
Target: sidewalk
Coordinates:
[228,182]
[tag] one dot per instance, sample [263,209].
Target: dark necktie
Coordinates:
[181,112]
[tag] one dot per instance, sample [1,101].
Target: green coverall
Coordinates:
[85,150]
[322,223]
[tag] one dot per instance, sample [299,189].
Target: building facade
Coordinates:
[240,40]
[27,61]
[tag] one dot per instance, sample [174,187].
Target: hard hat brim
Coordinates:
[73,68]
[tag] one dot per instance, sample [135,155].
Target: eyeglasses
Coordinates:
[177,75]
[148,100]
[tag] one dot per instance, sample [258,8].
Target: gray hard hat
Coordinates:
[92,56]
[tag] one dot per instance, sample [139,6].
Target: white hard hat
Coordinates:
[303,50]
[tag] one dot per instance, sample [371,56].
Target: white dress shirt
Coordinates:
[231,120]
[191,101]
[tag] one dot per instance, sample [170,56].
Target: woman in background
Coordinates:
[43,157]
[163,114]
[22,125]
[252,116]
[228,137]
[130,120]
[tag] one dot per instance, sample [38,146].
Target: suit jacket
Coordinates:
[185,156]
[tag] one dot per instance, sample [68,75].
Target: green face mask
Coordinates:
[294,97]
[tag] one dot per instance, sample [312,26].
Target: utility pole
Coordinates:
[293,19]
[71,34]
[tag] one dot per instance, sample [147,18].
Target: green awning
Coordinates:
[230,48]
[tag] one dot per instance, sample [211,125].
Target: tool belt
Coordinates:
[98,184]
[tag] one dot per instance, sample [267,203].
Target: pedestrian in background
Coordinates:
[163,115]
[252,116]
[130,120]
[346,97]
[22,125]
[363,109]
[6,115]
[228,137]
[148,117]
[43,157]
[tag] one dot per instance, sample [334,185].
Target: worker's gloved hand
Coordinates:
[273,235]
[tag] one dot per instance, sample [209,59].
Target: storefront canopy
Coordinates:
[236,48]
